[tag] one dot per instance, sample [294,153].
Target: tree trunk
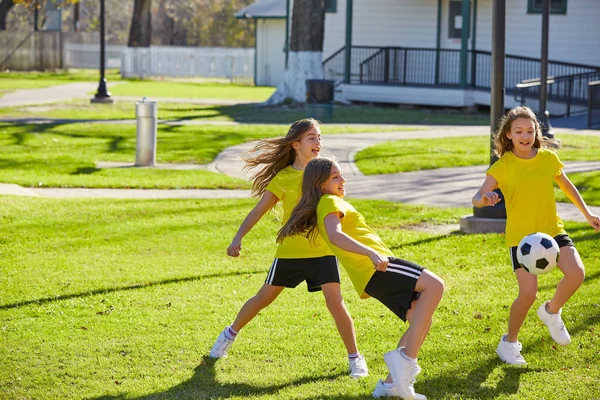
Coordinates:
[5,6]
[140,33]
[305,58]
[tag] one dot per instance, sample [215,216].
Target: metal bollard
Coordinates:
[146,113]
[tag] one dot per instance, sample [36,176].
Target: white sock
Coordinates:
[407,357]
[388,385]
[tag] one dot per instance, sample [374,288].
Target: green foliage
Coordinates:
[123,299]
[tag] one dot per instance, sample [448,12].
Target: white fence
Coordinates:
[79,55]
[235,64]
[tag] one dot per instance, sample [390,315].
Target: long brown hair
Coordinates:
[276,154]
[502,144]
[304,216]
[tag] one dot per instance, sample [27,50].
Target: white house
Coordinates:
[270,33]
[413,51]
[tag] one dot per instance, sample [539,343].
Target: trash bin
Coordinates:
[146,113]
[319,99]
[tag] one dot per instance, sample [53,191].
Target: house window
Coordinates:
[556,6]
[331,6]
[455,20]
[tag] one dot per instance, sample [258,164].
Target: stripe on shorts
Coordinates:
[271,273]
[404,270]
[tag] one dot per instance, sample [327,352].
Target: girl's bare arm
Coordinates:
[565,184]
[485,196]
[340,239]
[266,202]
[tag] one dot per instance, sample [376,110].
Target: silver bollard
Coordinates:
[146,113]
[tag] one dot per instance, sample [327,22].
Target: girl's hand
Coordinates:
[234,248]
[490,199]
[594,221]
[380,262]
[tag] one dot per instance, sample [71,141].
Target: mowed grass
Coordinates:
[123,299]
[421,154]
[66,155]
[245,113]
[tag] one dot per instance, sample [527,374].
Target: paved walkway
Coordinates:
[446,187]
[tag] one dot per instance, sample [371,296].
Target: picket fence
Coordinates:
[235,64]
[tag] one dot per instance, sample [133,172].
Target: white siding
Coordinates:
[574,37]
[410,23]
[270,55]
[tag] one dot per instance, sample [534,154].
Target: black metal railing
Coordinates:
[593,104]
[566,95]
[436,67]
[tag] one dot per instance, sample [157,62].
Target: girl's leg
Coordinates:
[403,339]
[341,316]
[571,265]
[431,288]
[263,298]
[528,285]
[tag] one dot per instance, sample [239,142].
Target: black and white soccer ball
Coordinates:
[538,253]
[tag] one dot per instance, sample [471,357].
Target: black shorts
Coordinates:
[395,288]
[562,240]
[290,272]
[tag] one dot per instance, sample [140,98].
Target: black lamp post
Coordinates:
[102,95]
[544,115]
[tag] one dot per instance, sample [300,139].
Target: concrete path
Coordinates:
[52,94]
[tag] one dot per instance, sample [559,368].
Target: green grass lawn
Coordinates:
[246,113]
[123,299]
[66,155]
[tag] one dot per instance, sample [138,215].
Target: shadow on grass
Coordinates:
[85,171]
[472,386]
[123,288]
[204,385]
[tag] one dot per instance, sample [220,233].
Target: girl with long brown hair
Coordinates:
[407,289]
[296,260]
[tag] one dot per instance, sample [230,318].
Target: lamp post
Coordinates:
[102,94]
[544,115]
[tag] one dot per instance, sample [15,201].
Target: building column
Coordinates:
[348,48]
[464,44]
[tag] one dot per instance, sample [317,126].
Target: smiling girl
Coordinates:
[407,289]
[524,173]
[296,260]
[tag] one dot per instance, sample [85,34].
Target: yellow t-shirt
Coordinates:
[287,185]
[359,267]
[529,194]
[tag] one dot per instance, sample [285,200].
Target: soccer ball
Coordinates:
[538,253]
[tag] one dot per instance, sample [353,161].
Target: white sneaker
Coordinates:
[358,367]
[403,373]
[510,352]
[382,391]
[555,324]
[221,346]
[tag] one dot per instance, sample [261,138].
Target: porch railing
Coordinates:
[436,67]
[566,95]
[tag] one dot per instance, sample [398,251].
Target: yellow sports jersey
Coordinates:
[529,194]
[359,267]
[287,185]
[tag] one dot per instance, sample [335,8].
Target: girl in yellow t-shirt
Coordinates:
[408,290]
[524,173]
[296,260]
